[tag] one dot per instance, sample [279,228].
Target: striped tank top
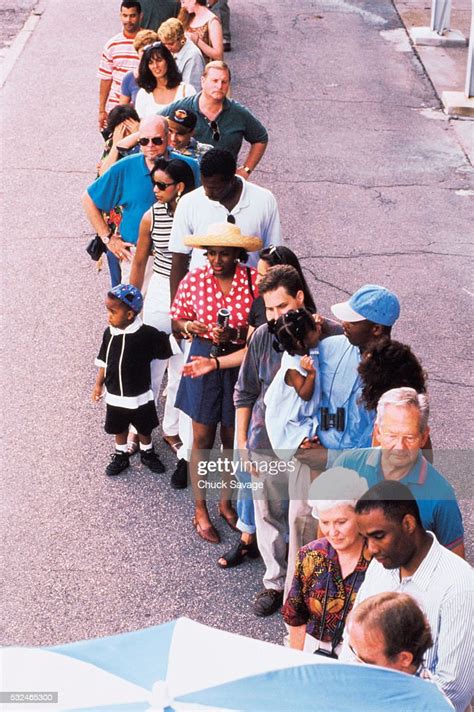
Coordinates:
[161,224]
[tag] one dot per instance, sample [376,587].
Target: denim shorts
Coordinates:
[208,399]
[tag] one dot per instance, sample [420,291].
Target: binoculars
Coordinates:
[335,420]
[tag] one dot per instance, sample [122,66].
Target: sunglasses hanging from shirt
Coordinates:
[216,134]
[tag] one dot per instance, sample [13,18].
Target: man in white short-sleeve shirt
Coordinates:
[223,197]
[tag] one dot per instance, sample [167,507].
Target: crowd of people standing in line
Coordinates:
[325,420]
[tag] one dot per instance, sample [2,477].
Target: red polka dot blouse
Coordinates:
[199,296]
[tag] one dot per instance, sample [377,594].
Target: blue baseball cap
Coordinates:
[129,295]
[371,302]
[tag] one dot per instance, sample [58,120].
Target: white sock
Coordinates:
[121,448]
[146,448]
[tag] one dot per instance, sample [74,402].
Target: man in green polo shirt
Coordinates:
[223,122]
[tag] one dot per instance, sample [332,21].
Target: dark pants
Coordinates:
[114,269]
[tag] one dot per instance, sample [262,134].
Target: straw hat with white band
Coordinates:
[224,235]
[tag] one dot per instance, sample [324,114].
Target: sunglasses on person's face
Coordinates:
[156,140]
[215,130]
[162,186]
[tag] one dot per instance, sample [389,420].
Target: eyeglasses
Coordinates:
[216,134]
[156,140]
[231,219]
[162,186]
[357,656]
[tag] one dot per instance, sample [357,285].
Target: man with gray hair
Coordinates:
[402,429]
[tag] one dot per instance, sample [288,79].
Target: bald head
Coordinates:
[152,124]
[153,139]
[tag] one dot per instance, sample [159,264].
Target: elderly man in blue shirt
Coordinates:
[402,429]
[128,183]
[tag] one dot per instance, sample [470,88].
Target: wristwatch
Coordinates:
[106,238]
[247,170]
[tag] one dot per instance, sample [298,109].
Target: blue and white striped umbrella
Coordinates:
[183,666]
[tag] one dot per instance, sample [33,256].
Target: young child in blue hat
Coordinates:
[128,347]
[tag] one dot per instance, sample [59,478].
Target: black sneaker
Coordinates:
[118,463]
[179,478]
[151,460]
[267,602]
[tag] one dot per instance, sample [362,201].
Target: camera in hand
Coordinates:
[335,420]
[223,317]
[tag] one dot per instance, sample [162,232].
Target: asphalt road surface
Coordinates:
[372,187]
[12,18]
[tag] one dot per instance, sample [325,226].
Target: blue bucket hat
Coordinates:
[129,295]
[371,302]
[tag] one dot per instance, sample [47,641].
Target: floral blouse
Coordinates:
[305,602]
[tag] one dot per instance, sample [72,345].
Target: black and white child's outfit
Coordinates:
[126,355]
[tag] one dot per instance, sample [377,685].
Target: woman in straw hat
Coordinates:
[271,256]
[223,284]
[330,570]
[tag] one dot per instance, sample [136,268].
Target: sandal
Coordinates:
[132,444]
[235,556]
[209,534]
[174,442]
[230,517]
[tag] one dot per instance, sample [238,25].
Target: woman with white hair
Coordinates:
[329,571]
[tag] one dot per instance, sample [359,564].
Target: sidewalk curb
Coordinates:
[462,134]
[18,44]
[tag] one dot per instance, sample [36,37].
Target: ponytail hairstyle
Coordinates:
[291,329]
[282,255]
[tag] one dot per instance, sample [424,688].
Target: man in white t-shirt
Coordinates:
[223,197]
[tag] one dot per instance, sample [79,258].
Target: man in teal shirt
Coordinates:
[128,183]
[402,429]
